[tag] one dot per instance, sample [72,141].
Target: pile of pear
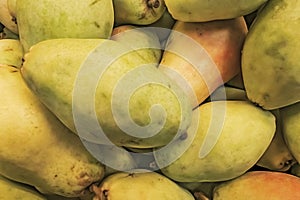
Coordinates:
[149,99]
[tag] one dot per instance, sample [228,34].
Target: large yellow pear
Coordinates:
[36,148]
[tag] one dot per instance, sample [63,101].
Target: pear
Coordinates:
[138,12]
[107,92]
[259,185]
[14,190]
[202,56]
[290,116]
[202,10]
[271,72]
[36,148]
[278,156]
[225,139]
[11,52]
[48,19]
[140,184]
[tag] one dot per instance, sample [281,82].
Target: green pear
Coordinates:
[225,139]
[48,19]
[290,116]
[106,92]
[202,10]
[138,12]
[270,58]
[36,148]
[14,190]
[140,184]
[11,52]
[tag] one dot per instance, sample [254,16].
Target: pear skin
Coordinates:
[138,12]
[278,156]
[260,185]
[204,54]
[203,11]
[270,64]
[48,19]
[143,40]
[11,52]
[140,184]
[14,190]
[290,116]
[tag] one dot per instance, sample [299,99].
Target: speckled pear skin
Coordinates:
[47,19]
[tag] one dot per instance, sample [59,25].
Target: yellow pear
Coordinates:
[36,148]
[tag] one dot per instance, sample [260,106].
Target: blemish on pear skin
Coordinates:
[96,24]
[94,2]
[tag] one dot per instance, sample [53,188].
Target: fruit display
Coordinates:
[149,99]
